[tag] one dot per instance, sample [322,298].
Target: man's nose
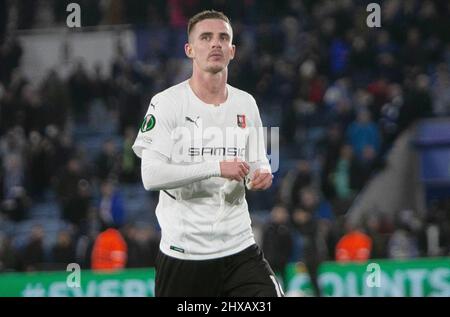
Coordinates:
[215,43]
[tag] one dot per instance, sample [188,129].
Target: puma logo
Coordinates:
[193,121]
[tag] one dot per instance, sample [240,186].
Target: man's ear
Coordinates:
[233,51]
[188,50]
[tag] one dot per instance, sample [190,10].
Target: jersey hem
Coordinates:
[185,256]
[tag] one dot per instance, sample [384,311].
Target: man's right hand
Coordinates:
[234,169]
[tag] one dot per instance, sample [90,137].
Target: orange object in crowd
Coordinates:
[109,251]
[354,246]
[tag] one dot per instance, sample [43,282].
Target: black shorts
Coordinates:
[244,274]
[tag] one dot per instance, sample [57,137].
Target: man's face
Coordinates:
[210,45]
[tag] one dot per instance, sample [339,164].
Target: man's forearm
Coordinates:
[159,174]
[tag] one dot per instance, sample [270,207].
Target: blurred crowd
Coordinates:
[340,92]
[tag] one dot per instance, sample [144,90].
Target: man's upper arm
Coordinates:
[155,131]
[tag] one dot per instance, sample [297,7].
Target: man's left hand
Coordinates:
[261,180]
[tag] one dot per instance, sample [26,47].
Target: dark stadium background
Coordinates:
[364,135]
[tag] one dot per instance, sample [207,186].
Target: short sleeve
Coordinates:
[156,128]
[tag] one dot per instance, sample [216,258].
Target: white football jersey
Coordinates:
[206,219]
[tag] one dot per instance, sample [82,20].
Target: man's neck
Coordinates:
[210,88]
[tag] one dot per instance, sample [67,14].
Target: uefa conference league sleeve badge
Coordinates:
[148,123]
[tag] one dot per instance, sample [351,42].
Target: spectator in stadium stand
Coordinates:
[56,99]
[329,150]
[73,189]
[143,245]
[63,252]
[108,161]
[80,91]
[17,205]
[376,227]
[340,177]
[362,133]
[33,254]
[295,180]
[110,251]
[441,90]
[8,255]
[130,167]
[13,174]
[277,240]
[310,220]
[38,169]
[363,168]
[111,208]
[10,57]
[355,245]
[403,243]
[434,239]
